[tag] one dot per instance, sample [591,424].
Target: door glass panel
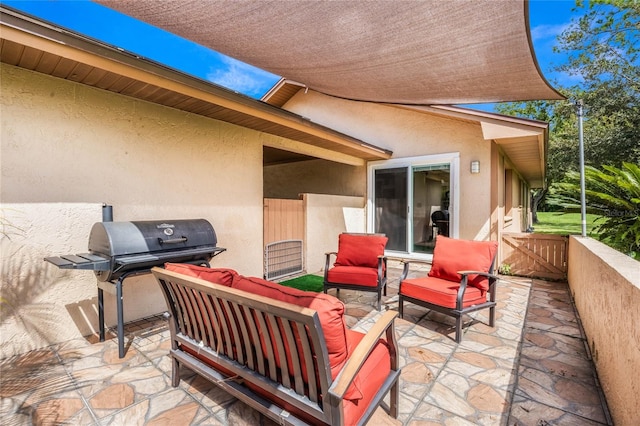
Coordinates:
[431,184]
[390,200]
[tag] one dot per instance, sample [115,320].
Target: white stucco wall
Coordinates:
[408,134]
[66,149]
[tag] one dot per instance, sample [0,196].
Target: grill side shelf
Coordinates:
[86,261]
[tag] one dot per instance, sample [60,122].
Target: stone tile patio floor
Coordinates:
[533,368]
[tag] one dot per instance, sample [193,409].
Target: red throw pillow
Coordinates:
[360,250]
[452,255]
[223,276]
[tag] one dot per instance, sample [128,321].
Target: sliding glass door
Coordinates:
[390,200]
[413,200]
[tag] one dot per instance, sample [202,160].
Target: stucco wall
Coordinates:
[410,133]
[314,176]
[327,217]
[606,288]
[68,148]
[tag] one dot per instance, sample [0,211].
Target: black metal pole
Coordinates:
[107,213]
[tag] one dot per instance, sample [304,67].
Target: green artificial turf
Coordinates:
[306,283]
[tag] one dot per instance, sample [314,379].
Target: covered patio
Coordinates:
[533,368]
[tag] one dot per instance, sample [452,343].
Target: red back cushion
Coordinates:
[222,276]
[452,255]
[330,313]
[360,250]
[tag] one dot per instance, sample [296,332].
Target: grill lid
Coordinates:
[113,239]
[121,248]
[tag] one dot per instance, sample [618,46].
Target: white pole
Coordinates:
[583,204]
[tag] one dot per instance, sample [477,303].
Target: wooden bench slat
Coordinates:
[295,359]
[244,332]
[224,325]
[255,339]
[282,356]
[270,355]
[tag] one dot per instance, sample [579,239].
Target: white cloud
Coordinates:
[544,32]
[241,77]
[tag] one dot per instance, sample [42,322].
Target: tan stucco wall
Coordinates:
[606,288]
[66,149]
[327,217]
[411,133]
[314,176]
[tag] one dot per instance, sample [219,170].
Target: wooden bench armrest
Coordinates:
[360,354]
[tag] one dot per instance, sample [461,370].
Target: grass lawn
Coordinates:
[563,223]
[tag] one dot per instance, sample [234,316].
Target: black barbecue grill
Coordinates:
[121,249]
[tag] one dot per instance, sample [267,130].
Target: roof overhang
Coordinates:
[405,52]
[41,47]
[523,141]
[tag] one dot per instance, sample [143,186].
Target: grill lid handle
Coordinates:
[173,241]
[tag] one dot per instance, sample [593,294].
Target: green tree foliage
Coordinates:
[613,193]
[603,46]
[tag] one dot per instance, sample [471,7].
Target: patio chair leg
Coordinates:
[379,296]
[400,307]
[459,329]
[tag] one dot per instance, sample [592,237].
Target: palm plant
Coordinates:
[613,193]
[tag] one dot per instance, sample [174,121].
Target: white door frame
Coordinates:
[452,158]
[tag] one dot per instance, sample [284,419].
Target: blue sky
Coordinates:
[547,17]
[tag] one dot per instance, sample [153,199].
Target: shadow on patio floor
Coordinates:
[533,368]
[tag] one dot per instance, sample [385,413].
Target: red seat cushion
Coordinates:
[222,276]
[359,275]
[330,312]
[360,250]
[440,292]
[452,255]
[370,377]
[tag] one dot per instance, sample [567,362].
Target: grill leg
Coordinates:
[101,313]
[120,318]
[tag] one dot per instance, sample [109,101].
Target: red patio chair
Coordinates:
[460,281]
[360,264]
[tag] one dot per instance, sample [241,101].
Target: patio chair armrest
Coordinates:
[463,285]
[407,262]
[327,263]
[484,274]
[362,351]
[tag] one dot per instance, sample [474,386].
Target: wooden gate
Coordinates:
[284,228]
[535,255]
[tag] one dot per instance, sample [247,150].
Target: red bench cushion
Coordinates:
[363,276]
[360,250]
[370,378]
[452,255]
[441,292]
[222,276]
[330,312]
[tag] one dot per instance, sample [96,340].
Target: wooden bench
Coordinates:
[272,355]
